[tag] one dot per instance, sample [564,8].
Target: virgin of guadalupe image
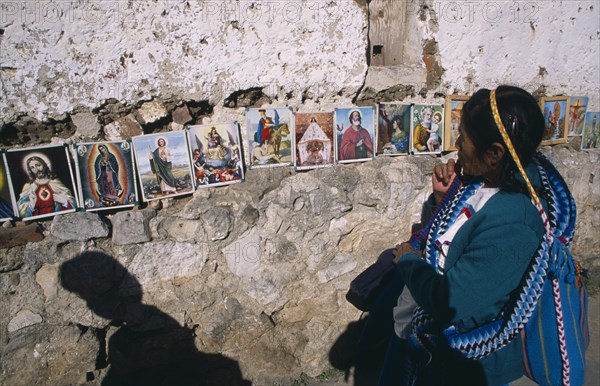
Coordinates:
[6,210]
[314,148]
[106,168]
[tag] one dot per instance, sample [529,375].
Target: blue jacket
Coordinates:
[486,262]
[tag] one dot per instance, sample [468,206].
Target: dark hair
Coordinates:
[522,118]
[352,112]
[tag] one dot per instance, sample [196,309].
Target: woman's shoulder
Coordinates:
[512,207]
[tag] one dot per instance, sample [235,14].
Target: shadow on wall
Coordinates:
[149,347]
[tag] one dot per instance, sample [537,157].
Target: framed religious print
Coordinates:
[314,140]
[7,209]
[355,127]
[555,119]
[42,181]
[426,130]
[216,154]
[453,111]
[591,131]
[270,137]
[105,175]
[577,109]
[163,165]
[393,128]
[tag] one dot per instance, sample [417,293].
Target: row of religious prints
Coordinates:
[43,181]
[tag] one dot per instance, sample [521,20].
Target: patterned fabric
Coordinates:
[545,269]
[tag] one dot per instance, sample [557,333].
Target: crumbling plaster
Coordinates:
[59,56]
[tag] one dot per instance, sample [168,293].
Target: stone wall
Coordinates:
[253,274]
[258,271]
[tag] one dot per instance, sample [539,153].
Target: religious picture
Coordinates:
[453,113]
[270,137]
[7,210]
[426,133]
[591,131]
[42,181]
[314,140]
[163,165]
[555,120]
[105,175]
[393,128]
[355,128]
[577,109]
[216,154]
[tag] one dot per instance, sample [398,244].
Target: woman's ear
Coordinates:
[494,154]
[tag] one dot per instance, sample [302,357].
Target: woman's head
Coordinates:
[524,123]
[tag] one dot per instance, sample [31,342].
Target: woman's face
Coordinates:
[469,159]
[161,142]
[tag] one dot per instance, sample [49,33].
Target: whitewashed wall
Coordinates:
[57,56]
[60,55]
[528,43]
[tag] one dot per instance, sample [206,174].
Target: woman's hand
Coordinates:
[402,249]
[442,176]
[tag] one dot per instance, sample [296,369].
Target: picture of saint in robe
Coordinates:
[427,129]
[44,179]
[105,175]
[216,154]
[591,131]
[163,164]
[356,133]
[314,139]
[270,136]
[555,117]
[393,128]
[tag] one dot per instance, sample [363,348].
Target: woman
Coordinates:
[477,251]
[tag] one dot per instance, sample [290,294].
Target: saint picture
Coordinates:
[216,154]
[393,128]
[314,140]
[591,131]
[355,129]
[42,181]
[555,120]
[453,114]
[427,124]
[6,207]
[105,175]
[270,137]
[577,109]
[163,165]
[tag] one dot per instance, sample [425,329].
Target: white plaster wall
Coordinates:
[58,55]
[486,43]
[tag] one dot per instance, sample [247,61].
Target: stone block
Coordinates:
[11,237]
[132,227]
[79,226]
[182,115]
[87,124]
[123,128]
[152,111]
[22,319]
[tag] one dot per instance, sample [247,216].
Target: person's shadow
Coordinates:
[150,347]
[362,346]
